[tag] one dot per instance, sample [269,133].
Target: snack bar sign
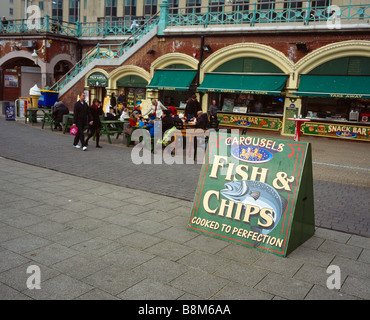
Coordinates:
[255,191]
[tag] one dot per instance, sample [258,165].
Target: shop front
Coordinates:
[174,85]
[336,98]
[134,88]
[97,83]
[248,99]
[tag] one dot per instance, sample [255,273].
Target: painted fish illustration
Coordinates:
[258,194]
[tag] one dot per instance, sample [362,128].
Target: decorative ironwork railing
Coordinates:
[231,13]
[107,52]
[45,24]
[78,29]
[249,13]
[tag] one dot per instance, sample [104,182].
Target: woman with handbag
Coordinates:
[96,111]
[81,113]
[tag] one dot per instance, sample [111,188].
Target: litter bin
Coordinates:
[9,112]
[48,98]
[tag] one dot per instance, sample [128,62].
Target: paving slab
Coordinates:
[148,253]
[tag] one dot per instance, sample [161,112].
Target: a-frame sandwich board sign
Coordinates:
[257,192]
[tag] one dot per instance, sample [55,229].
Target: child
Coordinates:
[150,125]
[111,115]
[125,114]
[134,118]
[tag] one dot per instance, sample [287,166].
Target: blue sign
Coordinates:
[244,123]
[9,112]
[346,134]
[251,154]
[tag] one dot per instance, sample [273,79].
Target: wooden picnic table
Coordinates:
[31,114]
[47,118]
[190,134]
[129,136]
[112,127]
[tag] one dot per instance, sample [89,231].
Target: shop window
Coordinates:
[338,108]
[248,103]
[174,98]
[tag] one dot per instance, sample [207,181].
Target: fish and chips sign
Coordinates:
[256,192]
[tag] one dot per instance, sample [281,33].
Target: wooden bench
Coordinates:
[31,115]
[111,128]
[67,122]
[129,136]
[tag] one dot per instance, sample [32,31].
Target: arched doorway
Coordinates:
[132,81]
[60,69]
[18,75]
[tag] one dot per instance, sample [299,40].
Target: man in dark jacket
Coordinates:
[58,113]
[81,115]
[202,121]
[122,99]
[192,107]
[167,121]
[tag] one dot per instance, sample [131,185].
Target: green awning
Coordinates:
[243,83]
[334,86]
[172,79]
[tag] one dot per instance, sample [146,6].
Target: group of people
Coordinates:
[90,116]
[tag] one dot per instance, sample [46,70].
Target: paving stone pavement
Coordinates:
[97,241]
[341,170]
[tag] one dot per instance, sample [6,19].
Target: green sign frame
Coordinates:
[336,130]
[97,79]
[256,192]
[249,121]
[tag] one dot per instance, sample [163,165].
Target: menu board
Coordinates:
[135,96]
[131,97]
[140,95]
[290,112]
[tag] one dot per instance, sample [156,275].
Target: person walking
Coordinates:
[96,111]
[81,114]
